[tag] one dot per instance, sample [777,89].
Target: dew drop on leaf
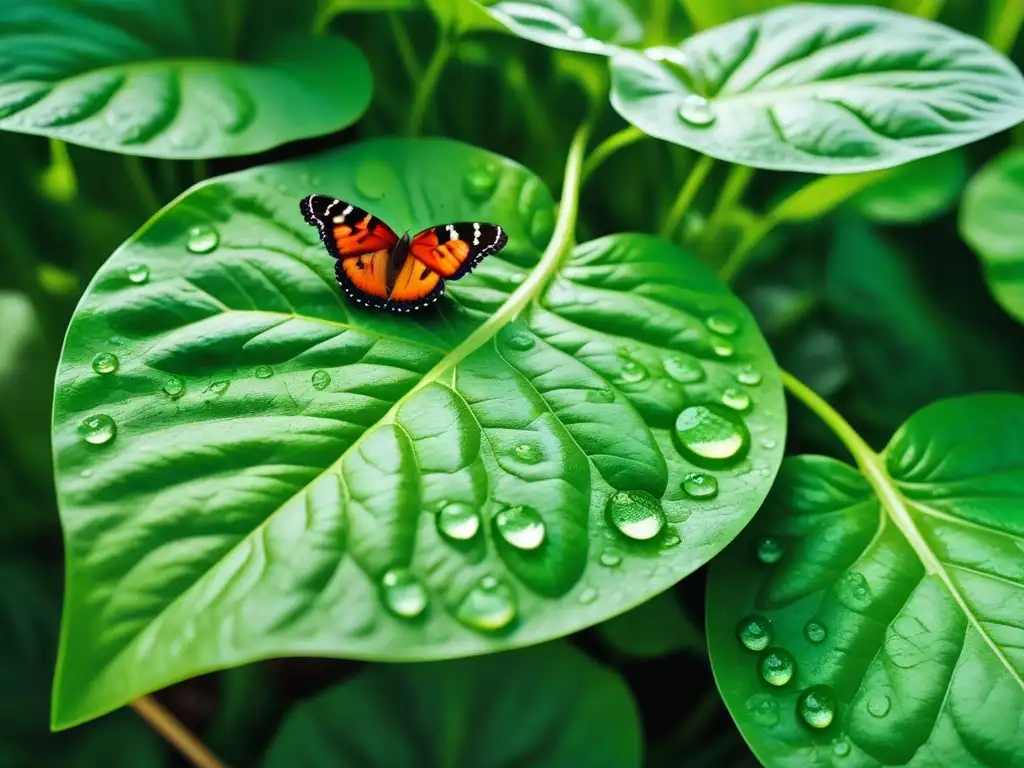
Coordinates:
[684,369]
[777,666]
[723,323]
[490,606]
[670,540]
[458,521]
[105,363]
[480,181]
[521,527]
[321,380]
[763,709]
[98,429]
[698,485]
[263,372]
[749,376]
[600,396]
[632,372]
[527,453]
[879,706]
[174,388]
[202,238]
[403,594]
[768,443]
[817,706]
[519,341]
[610,558]
[711,435]
[755,632]
[696,111]
[137,273]
[588,595]
[736,399]
[218,387]
[840,747]
[769,550]
[576,33]
[815,631]
[635,514]
[722,347]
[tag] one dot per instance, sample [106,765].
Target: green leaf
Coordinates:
[176,79]
[711,13]
[656,628]
[917,192]
[485,711]
[990,223]
[820,89]
[900,593]
[275,462]
[590,26]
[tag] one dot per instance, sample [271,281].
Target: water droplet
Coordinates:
[858,584]
[490,606]
[815,631]
[769,550]
[817,706]
[481,180]
[403,594]
[670,540]
[519,341]
[174,388]
[85,473]
[636,514]
[666,53]
[576,33]
[763,709]
[768,443]
[528,453]
[632,372]
[521,527]
[321,379]
[218,387]
[137,273]
[610,558]
[105,363]
[755,632]
[697,485]
[696,111]
[710,434]
[684,369]
[458,521]
[879,706]
[840,747]
[736,399]
[723,323]
[98,429]
[600,395]
[202,238]
[588,595]
[749,376]
[263,372]
[778,666]
[722,347]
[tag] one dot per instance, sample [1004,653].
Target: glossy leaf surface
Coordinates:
[176,79]
[821,89]
[268,470]
[990,222]
[899,602]
[590,26]
[484,711]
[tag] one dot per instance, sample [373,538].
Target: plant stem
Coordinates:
[657,22]
[1005,24]
[618,140]
[751,239]
[687,194]
[854,443]
[406,51]
[168,726]
[732,192]
[446,45]
[137,177]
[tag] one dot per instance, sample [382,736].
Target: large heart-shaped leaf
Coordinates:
[876,620]
[178,78]
[990,223]
[485,711]
[266,470]
[591,26]
[711,13]
[821,89]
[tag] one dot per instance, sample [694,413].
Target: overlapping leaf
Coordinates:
[878,624]
[248,466]
[181,78]
[821,89]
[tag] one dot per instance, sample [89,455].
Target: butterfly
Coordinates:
[378,269]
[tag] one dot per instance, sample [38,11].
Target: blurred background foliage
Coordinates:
[878,305]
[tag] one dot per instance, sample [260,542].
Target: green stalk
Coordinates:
[403,42]
[687,194]
[137,177]
[428,84]
[736,184]
[1004,24]
[618,140]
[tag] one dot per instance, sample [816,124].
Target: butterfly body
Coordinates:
[379,269]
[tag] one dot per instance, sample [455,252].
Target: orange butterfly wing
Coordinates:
[453,250]
[417,286]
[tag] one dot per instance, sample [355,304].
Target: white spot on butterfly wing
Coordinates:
[453,234]
[476,233]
